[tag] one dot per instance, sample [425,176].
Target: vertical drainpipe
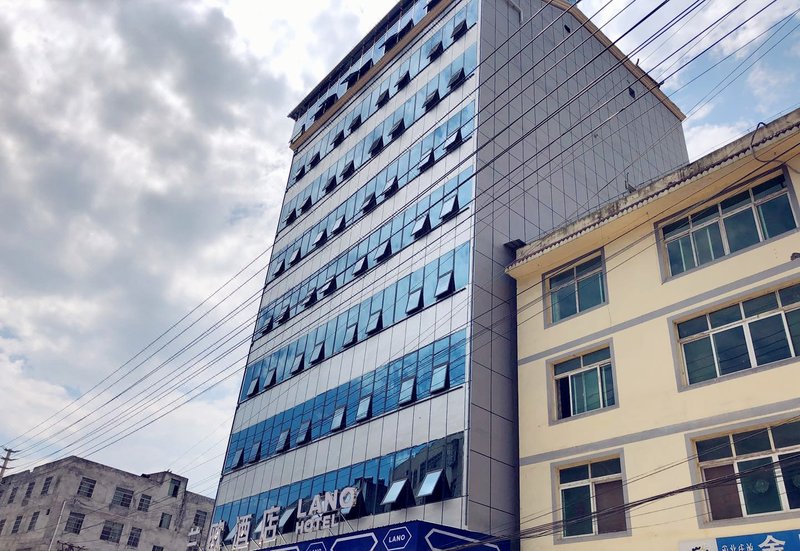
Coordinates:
[58,523]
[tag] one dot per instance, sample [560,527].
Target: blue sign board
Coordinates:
[410,536]
[785,540]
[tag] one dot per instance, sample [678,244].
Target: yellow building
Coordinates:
[659,377]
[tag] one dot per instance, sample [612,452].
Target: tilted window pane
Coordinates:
[731,350]
[577,511]
[590,291]
[699,360]
[708,243]
[428,485]
[680,255]
[776,216]
[741,230]
[675,228]
[769,340]
[338,419]
[723,499]
[759,486]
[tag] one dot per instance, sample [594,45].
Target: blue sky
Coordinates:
[142,163]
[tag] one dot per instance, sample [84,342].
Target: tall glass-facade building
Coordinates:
[383,359]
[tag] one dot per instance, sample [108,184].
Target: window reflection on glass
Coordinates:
[576,288]
[754,332]
[738,222]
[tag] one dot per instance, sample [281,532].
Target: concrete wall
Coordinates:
[67,475]
[658,415]
[537,184]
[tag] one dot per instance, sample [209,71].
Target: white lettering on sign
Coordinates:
[323,513]
[269,524]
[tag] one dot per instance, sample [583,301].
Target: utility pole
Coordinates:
[6,459]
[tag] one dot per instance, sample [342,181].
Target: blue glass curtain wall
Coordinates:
[373,477]
[405,169]
[373,51]
[423,287]
[411,111]
[383,385]
[347,266]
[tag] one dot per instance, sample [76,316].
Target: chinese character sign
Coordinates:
[785,540]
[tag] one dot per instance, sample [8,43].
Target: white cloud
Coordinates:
[704,138]
[769,86]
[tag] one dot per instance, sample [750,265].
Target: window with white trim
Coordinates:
[749,217]
[754,332]
[576,288]
[584,383]
[756,471]
[592,500]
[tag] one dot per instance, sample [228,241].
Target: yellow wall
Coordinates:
[649,395]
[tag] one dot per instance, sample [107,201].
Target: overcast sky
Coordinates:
[143,157]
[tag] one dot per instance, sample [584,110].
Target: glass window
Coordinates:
[144,503]
[337,422]
[74,523]
[766,464]
[283,441]
[592,499]
[364,408]
[576,288]
[440,378]
[733,224]
[755,332]
[407,391]
[584,384]
[445,285]
[122,497]
[112,531]
[134,536]
[394,492]
[46,486]
[166,520]
[304,433]
[86,488]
